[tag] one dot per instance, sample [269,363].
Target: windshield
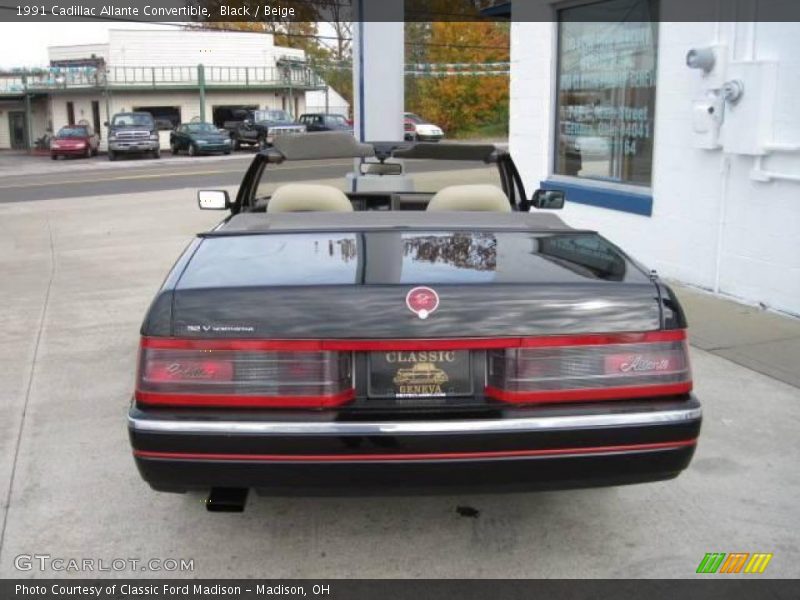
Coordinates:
[71,132]
[272,115]
[201,128]
[415,118]
[133,120]
[337,120]
[428,176]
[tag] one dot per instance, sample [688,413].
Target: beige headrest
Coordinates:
[307,197]
[482,197]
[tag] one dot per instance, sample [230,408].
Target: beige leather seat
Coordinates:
[482,197]
[307,197]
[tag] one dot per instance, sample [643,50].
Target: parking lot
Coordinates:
[78,273]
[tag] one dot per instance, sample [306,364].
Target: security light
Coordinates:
[701,58]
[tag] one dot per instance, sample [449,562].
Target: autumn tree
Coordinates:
[460,102]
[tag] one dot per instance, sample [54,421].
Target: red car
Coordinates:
[74,140]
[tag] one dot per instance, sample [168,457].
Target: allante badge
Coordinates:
[422,301]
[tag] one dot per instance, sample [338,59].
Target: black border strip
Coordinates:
[713,587]
[199,11]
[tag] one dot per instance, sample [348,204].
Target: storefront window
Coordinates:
[607,90]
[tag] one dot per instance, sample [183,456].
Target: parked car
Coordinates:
[260,127]
[199,138]
[418,129]
[325,122]
[133,133]
[74,140]
[280,352]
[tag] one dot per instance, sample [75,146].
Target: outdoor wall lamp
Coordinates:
[701,58]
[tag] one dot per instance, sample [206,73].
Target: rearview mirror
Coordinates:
[377,168]
[552,199]
[213,199]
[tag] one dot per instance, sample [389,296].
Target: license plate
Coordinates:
[421,374]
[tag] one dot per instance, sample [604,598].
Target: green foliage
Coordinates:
[458,103]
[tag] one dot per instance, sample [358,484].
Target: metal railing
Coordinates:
[71,78]
[151,76]
[12,85]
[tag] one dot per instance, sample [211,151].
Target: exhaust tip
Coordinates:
[226,500]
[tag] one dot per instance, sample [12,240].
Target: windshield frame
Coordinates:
[136,119]
[248,199]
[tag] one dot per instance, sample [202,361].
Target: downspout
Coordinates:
[291,93]
[201,83]
[107,94]
[726,171]
[28,115]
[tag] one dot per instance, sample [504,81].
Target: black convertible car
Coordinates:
[318,341]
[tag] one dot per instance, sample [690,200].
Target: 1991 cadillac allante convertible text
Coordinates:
[318,341]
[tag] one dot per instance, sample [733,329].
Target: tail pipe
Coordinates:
[226,499]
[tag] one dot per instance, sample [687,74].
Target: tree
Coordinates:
[463,102]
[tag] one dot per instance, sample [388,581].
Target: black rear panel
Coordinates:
[353,285]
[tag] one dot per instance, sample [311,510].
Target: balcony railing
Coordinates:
[73,78]
[12,85]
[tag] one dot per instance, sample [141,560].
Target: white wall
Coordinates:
[712,225]
[315,101]
[148,48]
[82,104]
[378,100]
[179,48]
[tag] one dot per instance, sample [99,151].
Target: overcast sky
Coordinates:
[25,44]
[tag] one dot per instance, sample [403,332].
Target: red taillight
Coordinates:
[318,373]
[196,376]
[574,369]
[186,370]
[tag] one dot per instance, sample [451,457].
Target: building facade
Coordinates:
[178,76]
[681,141]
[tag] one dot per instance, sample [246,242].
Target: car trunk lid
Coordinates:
[354,285]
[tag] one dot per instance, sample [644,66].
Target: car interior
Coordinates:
[381,161]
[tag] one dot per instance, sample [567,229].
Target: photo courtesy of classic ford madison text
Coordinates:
[404,293]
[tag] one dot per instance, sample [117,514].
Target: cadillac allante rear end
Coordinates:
[454,353]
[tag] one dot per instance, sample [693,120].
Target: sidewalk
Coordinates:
[765,342]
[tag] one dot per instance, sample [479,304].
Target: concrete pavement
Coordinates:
[77,277]
[36,178]
[750,336]
[14,163]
